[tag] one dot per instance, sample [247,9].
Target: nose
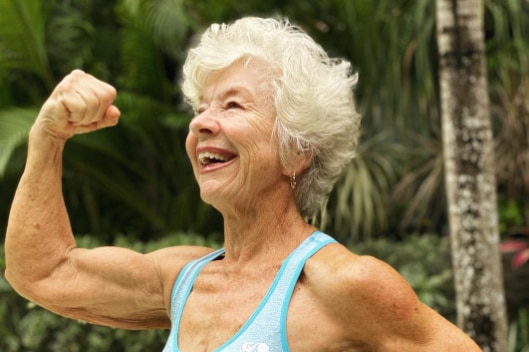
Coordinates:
[205,124]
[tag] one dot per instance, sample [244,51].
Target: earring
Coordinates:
[293,180]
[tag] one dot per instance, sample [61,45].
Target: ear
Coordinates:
[297,163]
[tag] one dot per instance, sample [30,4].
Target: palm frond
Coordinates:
[421,189]
[14,128]
[509,90]
[22,38]
[144,44]
[164,21]
[359,204]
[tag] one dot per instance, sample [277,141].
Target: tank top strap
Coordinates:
[266,328]
[313,244]
[180,293]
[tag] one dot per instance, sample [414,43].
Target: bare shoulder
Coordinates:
[170,261]
[376,305]
[178,256]
[366,282]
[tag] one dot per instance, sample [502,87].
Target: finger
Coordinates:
[91,106]
[112,112]
[111,118]
[85,97]
[74,104]
[99,96]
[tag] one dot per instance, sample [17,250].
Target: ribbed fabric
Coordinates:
[265,330]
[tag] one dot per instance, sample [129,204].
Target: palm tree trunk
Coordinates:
[469,173]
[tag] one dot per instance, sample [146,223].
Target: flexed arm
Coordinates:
[39,233]
[108,285]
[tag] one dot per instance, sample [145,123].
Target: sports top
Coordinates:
[265,330]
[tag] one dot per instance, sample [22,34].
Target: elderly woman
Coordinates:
[275,125]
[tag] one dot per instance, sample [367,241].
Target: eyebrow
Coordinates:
[232,91]
[236,90]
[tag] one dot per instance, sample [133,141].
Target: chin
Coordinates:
[210,196]
[218,200]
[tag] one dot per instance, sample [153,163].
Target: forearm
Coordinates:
[38,233]
[42,262]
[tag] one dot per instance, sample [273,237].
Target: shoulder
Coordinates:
[178,256]
[361,282]
[373,303]
[170,261]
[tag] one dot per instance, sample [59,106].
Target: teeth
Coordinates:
[208,158]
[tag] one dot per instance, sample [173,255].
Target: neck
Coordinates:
[265,233]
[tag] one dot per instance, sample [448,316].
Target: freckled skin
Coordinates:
[342,302]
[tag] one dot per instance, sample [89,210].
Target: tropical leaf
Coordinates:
[70,38]
[14,128]
[359,205]
[22,37]
[163,20]
[421,189]
[6,96]
[509,90]
[138,46]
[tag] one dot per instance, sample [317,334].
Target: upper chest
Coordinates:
[221,306]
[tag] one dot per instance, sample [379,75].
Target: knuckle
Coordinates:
[110,92]
[113,92]
[91,100]
[77,72]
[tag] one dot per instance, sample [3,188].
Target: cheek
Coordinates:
[191,143]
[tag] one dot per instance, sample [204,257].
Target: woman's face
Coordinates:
[235,159]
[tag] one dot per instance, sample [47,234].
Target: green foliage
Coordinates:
[519,332]
[164,22]
[364,190]
[29,328]
[508,67]
[14,129]
[136,178]
[510,215]
[22,40]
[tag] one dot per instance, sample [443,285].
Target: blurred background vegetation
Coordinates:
[132,185]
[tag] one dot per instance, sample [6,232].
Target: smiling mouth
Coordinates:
[208,158]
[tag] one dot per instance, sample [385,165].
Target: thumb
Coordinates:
[111,117]
[112,112]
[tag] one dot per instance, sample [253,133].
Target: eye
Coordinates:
[200,110]
[233,105]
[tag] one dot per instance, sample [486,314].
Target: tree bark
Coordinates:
[469,173]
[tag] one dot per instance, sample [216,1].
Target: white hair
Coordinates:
[313,96]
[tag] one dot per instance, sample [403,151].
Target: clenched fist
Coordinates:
[79,104]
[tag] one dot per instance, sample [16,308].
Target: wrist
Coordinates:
[40,139]
[43,147]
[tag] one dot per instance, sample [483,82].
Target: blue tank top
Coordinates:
[265,330]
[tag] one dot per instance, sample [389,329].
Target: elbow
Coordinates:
[11,278]
[32,279]
[26,286]
[18,283]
